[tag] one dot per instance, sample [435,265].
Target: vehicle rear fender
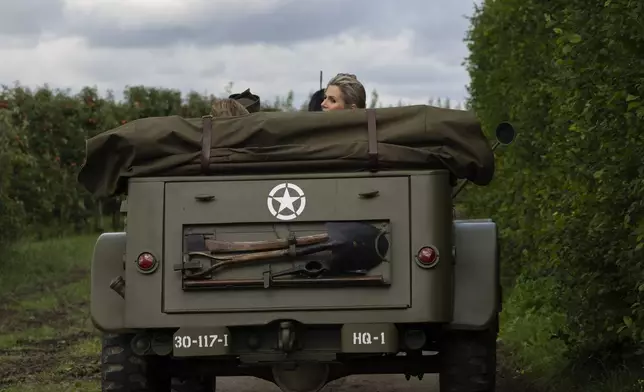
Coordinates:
[107,307]
[477,289]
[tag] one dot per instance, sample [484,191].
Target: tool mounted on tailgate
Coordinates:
[353,247]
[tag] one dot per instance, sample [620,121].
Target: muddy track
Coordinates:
[32,357]
[54,359]
[12,320]
[74,275]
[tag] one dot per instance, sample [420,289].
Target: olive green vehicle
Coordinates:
[295,274]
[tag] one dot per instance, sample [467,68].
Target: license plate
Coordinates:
[369,338]
[199,342]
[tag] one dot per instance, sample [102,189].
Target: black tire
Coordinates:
[468,360]
[193,384]
[124,371]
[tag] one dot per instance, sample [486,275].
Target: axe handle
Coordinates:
[241,246]
[260,256]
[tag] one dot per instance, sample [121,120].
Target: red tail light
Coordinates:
[146,262]
[427,256]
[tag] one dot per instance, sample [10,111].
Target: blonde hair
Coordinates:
[353,92]
[227,108]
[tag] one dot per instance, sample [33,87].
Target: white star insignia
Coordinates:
[286,201]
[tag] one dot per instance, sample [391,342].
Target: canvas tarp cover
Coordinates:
[410,137]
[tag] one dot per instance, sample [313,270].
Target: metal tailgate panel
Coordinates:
[239,210]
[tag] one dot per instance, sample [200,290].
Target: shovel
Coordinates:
[353,245]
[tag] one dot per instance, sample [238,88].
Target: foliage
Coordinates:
[529,323]
[530,350]
[42,136]
[570,76]
[14,158]
[42,139]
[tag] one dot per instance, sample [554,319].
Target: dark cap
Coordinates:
[250,101]
[315,104]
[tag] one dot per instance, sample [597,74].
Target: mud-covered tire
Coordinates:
[193,384]
[124,371]
[468,360]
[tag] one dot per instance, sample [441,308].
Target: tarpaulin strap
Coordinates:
[292,245]
[206,141]
[373,139]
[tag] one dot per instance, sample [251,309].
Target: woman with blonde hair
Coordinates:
[344,91]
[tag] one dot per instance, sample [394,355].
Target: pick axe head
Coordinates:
[356,245]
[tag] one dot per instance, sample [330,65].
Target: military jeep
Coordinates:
[295,247]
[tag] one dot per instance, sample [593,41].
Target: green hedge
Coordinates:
[42,144]
[569,195]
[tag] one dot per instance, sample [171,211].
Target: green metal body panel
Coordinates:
[417,206]
[477,289]
[107,308]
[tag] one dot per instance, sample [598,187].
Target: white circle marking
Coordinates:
[286,201]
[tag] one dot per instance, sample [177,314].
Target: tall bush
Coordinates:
[42,139]
[13,159]
[570,76]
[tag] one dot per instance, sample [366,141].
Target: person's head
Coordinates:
[344,91]
[315,104]
[227,108]
[249,100]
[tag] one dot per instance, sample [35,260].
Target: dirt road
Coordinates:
[48,343]
[371,383]
[380,383]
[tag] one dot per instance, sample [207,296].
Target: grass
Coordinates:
[47,341]
[44,264]
[65,386]
[531,352]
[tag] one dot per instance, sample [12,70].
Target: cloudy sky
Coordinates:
[407,50]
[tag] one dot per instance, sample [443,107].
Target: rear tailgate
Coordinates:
[249,210]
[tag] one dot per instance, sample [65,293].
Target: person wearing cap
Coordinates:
[315,103]
[249,100]
[227,108]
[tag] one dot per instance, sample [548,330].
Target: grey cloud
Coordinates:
[291,22]
[30,17]
[18,41]
[119,70]
[439,27]
[212,70]
[445,40]
[411,74]
[453,91]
